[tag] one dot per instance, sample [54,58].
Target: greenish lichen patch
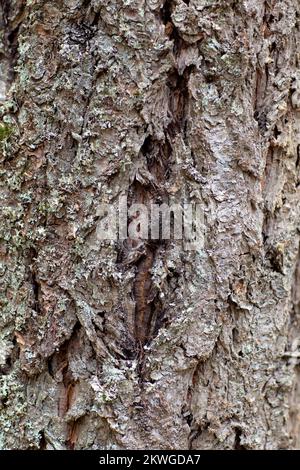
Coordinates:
[5,132]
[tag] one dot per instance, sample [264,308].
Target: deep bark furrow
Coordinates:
[145,344]
[159,160]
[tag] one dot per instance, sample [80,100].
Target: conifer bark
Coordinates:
[199,99]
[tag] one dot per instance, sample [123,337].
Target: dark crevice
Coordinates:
[295,289]
[49,367]
[178,101]
[148,310]
[143,253]
[150,187]
[276,132]
[237,441]
[58,362]
[275,258]
[267,74]
[159,163]
[187,415]
[96,19]
[170,29]
[261,118]
[36,292]
[81,33]
[43,441]
[12,38]
[165,12]
[59,369]
[92,17]
[259,111]
[36,286]
[186,411]
[147,147]
[5,8]
[298,156]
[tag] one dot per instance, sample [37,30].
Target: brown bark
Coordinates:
[105,345]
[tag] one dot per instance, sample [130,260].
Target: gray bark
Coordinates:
[204,97]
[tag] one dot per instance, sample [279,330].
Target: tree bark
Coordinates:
[103,346]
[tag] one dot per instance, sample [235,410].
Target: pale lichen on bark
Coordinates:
[201,99]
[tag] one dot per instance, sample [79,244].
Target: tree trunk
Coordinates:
[105,345]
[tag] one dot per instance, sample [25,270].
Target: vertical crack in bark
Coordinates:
[262,71]
[179,101]
[187,410]
[141,290]
[142,255]
[36,292]
[60,365]
[158,159]
[237,441]
[36,287]
[43,441]
[298,160]
[59,369]
[293,355]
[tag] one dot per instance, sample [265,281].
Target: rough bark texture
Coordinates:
[104,346]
